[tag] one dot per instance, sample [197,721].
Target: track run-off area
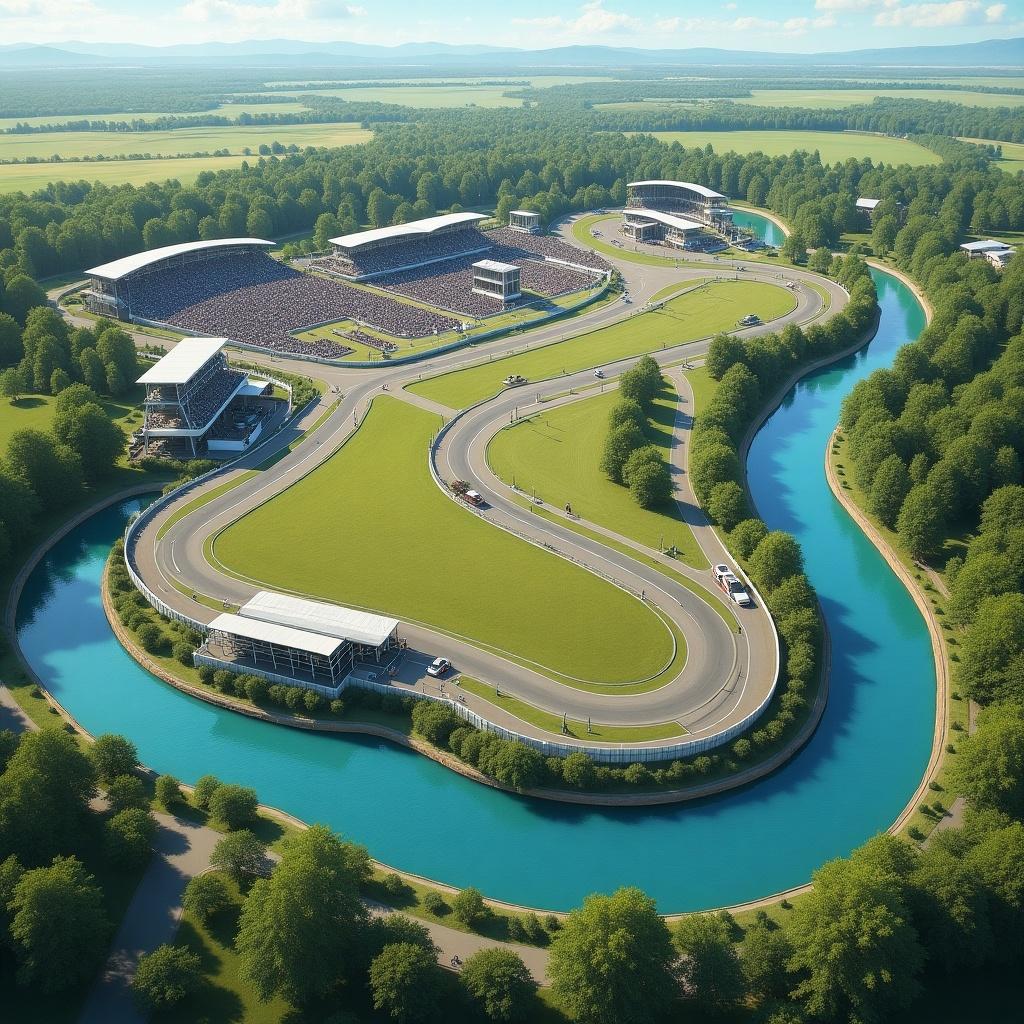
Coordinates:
[568,623]
[852,779]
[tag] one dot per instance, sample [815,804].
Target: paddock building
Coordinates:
[524,220]
[114,288]
[997,253]
[695,202]
[415,244]
[644,225]
[297,642]
[497,280]
[196,404]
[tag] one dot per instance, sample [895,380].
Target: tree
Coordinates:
[44,796]
[517,765]
[469,908]
[298,927]
[794,248]
[58,925]
[989,767]
[204,790]
[11,349]
[578,770]
[10,384]
[727,504]
[113,755]
[820,260]
[206,895]
[500,984]
[854,944]
[168,791]
[93,435]
[129,836]
[921,522]
[889,489]
[127,791]
[992,650]
[710,969]
[234,806]
[747,535]
[405,982]
[765,955]
[240,854]
[724,352]
[52,470]
[20,295]
[611,963]
[650,483]
[620,443]
[776,558]
[627,410]
[164,977]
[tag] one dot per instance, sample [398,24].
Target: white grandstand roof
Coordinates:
[701,190]
[524,213]
[496,266]
[987,245]
[414,229]
[117,269]
[274,633]
[668,219]
[864,203]
[184,360]
[328,619]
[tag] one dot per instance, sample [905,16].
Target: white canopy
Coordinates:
[117,269]
[327,619]
[414,229]
[183,361]
[668,219]
[274,633]
[701,190]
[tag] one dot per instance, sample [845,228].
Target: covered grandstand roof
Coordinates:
[701,190]
[184,360]
[668,219]
[495,265]
[986,245]
[117,269]
[328,619]
[275,633]
[864,203]
[414,229]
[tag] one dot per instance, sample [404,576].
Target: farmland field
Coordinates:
[231,110]
[833,146]
[832,98]
[1013,154]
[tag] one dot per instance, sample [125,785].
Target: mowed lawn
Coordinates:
[1013,154]
[696,314]
[370,528]
[178,140]
[558,452]
[834,147]
[36,412]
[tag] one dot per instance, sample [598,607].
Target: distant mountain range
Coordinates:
[991,53]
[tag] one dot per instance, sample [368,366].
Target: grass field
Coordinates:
[36,412]
[833,146]
[178,140]
[1013,154]
[557,453]
[826,99]
[696,314]
[370,528]
[224,110]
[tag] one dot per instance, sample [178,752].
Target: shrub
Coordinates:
[313,701]
[182,652]
[294,697]
[224,680]
[469,908]
[234,806]
[240,854]
[434,722]
[741,748]
[127,791]
[337,707]
[256,689]
[206,895]
[636,774]
[165,977]
[394,885]
[150,636]
[206,674]
[127,837]
[168,791]
[433,903]
[113,756]
[578,770]
[204,790]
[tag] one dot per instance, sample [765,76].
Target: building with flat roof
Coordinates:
[644,225]
[196,403]
[978,250]
[866,207]
[298,642]
[497,280]
[524,220]
[111,285]
[695,202]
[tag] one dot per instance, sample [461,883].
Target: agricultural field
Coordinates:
[389,540]
[224,109]
[557,453]
[1013,154]
[825,99]
[695,314]
[179,140]
[834,147]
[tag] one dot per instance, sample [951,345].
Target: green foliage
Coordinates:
[747,535]
[204,790]
[164,977]
[128,836]
[469,908]
[405,983]
[434,721]
[710,968]
[776,558]
[765,955]
[127,791]
[206,895]
[727,505]
[241,854]
[500,984]
[611,962]
[619,445]
[58,927]
[992,649]
[989,767]
[233,806]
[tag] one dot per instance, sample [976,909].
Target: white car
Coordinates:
[439,667]
[730,584]
[599,373]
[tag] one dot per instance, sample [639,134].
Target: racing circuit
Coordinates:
[731,662]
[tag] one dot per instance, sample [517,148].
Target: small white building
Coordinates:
[524,220]
[497,280]
[997,253]
[644,225]
[867,207]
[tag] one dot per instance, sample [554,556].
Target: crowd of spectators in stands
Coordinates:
[405,251]
[548,247]
[207,399]
[371,341]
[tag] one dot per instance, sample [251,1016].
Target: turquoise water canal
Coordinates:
[851,780]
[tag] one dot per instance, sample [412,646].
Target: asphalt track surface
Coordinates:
[726,673]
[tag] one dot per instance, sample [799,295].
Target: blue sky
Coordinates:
[798,25]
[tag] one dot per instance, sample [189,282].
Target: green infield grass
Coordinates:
[556,453]
[702,311]
[553,723]
[178,140]
[1013,154]
[369,528]
[834,147]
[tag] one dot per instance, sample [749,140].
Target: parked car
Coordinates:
[439,667]
[730,584]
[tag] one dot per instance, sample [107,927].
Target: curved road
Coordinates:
[726,674]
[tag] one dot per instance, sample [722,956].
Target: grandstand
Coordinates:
[115,288]
[195,403]
[698,203]
[648,225]
[294,641]
[366,254]
[524,220]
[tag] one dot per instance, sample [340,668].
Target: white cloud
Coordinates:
[593,20]
[280,14]
[941,15]
[745,23]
